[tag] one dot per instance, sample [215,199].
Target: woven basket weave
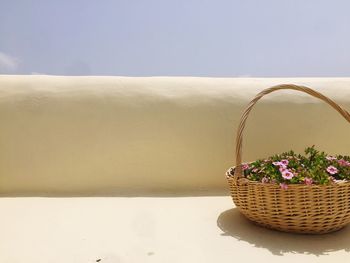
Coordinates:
[312,209]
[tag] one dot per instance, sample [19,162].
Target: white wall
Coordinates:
[144,136]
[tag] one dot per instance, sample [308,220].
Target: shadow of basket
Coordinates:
[234,224]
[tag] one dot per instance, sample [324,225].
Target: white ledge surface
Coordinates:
[134,230]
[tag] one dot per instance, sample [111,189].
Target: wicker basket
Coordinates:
[313,209]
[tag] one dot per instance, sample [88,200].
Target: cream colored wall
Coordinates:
[141,136]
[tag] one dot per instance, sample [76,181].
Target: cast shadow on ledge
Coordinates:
[234,224]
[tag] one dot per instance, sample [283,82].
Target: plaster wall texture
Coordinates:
[69,136]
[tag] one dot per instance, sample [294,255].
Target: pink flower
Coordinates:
[245,166]
[331,158]
[284,186]
[342,162]
[276,163]
[284,162]
[332,170]
[283,169]
[287,175]
[308,181]
[280,165]
[265,180]
[255,170]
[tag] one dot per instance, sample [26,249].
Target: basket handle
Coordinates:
[239,138]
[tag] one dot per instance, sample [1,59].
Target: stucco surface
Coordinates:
[115,230]
[143,136]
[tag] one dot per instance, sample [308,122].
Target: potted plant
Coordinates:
[292,192]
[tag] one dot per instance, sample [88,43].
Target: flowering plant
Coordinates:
[290,168]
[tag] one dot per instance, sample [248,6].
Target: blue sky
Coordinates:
[218,38]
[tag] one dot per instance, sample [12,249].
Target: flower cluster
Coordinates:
[290,168]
